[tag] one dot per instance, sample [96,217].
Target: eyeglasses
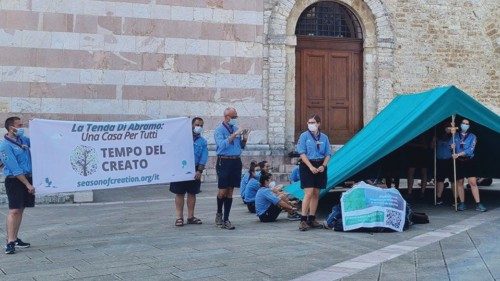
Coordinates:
[233,117]
[311,123]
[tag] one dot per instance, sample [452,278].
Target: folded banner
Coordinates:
[369,206]
[74,156]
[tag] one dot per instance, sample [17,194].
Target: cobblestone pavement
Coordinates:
[128,234]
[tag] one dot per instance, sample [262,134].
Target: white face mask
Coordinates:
[312,127]
[197,130]
[272,184]
[464,127]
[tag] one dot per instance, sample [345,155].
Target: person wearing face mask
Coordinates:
[191,187]
[229,140]
[269,204]
[464,144]
[314,149]
[16,156]
[444,165]
[244,180]
[251,188]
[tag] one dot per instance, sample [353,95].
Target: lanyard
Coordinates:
[228,128]
[21,145]
[316,139]
[195,138]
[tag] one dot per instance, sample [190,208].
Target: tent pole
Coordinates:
[435,167]
[454,161]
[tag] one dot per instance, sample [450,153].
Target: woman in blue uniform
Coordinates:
[466,162]
[314,149]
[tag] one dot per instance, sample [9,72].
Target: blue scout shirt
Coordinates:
[443,150]
[200,150]
[251,189]
[263,200]
[295,175]
[16,158]
[465,143]
[224,148]
[243,184]
[308,145]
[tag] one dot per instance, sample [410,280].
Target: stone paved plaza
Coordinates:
[128,234]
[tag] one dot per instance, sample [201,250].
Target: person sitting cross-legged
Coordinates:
[268,204]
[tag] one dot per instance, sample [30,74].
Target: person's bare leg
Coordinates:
[14,219]
[439,189]
[307,200]
[474,189]
[423,171]
[191,202]
[411,173]
[179,205]
[460,189]
[313,204]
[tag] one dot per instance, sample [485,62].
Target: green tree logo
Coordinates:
[84,160]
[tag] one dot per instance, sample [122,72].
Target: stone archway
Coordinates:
[379,44]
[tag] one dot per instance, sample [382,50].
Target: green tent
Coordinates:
[406,117]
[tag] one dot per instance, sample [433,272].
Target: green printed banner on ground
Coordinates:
[367,206]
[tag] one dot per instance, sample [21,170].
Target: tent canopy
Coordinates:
[406,117]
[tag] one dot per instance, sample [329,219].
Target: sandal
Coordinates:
[194,220]
[179,222]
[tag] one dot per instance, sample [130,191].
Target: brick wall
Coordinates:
[132,59]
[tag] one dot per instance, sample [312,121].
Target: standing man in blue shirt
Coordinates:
[16,156]
[230,140]
[191,187]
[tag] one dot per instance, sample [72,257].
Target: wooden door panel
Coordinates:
[339,84]
[314,76]
[329,83]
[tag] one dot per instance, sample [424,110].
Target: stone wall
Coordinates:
[447,42]
[141,59]
[133,59]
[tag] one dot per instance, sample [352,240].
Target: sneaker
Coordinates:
[294,217]
[218,219]
[326,226]
[315,224]
[480,207]
[303,226]
[228,225]
[439,202]
[21,244]
[461,207]
[10,248]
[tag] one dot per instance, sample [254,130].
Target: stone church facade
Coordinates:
[145,59]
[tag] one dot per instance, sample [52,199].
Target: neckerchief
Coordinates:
[20,143]
[228,128]
[196,137]
[462,139]
[316,139]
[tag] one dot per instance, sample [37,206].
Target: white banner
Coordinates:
[74,156]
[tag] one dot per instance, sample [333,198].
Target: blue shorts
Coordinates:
[17,193]
[271,214]
[228,172]
[183,187]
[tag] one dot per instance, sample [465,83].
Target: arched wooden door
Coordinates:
[329,70]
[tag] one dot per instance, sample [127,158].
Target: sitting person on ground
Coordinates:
[268,205]
[244,180]
[295,175]
[253,183]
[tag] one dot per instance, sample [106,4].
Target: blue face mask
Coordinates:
[19,132]
[233,122]
[464,127]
